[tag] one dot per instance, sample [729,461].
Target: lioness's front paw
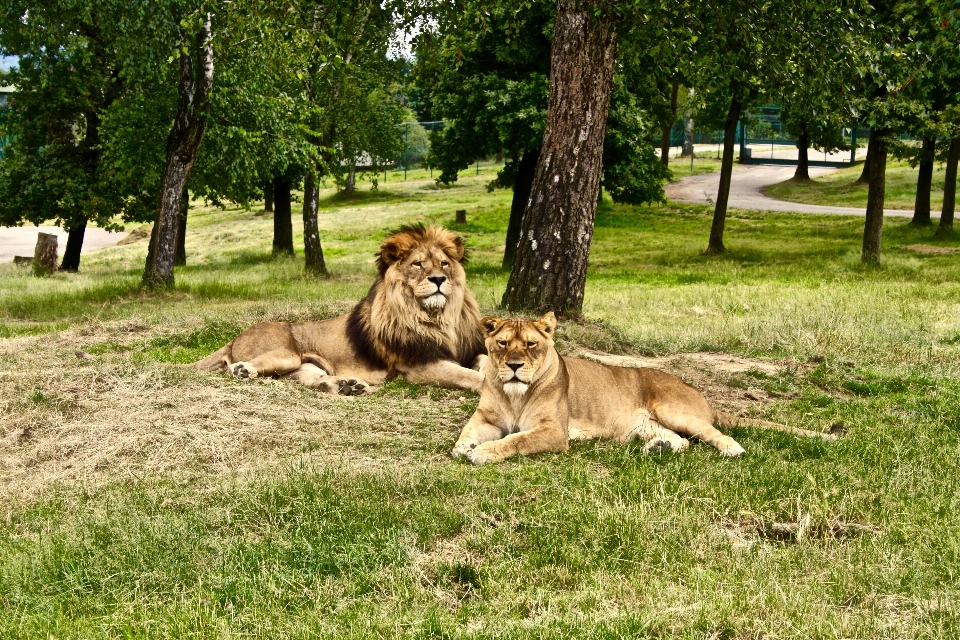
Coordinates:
[352,387]
[243,370]
[483,453]
[732,451]
[462,448]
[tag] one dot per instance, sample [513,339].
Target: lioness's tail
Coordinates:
[216,361]
[729,420]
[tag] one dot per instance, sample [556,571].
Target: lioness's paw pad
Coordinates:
[243,371]
[462,449]
[732,451]
[482,454]
[352,387]
[658,446]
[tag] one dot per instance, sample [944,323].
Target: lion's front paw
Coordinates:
[352,387]
[462,448]
[658,445]
[243,370]
[484,453]
[733,450]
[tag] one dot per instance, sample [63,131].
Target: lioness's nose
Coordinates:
[437,280]
[514,365]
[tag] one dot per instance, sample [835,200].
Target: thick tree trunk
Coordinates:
[715,246]
[312,249]
[550,267]
[45,254]
[873,227]
[180,259]
[351,178]
[921,205]
[522,186]
[71,255]
[803,160]
[949,190]
[268,197]
[865,174]
[282,216]
[665,138]
[195,82]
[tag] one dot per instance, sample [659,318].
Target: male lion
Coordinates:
[418,321]
[535,400]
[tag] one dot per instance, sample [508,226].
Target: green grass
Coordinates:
[840,189]
[140,499]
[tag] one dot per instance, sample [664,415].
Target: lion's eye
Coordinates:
[531,345]
[444,264]
[418,265]
[502,343]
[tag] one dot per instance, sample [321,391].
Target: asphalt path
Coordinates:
[21,241]
[746,187]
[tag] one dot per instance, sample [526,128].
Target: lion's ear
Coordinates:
[489,324]
[390,252]
[548,322]
[458,249]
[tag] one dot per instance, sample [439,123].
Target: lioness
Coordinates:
[535,400]
[418,321]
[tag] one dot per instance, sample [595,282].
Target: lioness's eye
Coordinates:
[502,343]
[531,345]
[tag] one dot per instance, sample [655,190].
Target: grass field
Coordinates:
[139,498]
[840,189]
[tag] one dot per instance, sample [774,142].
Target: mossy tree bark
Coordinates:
[715,246]
[282,215]
[921,205]
[312,249]
[550,266]
[945,228]
[194,84]
[803,157]
[522,186]
[873,226]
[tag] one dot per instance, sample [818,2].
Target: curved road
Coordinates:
[21,241]
[746,190]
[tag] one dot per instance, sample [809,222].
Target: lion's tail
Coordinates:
[729,420]
[216,361]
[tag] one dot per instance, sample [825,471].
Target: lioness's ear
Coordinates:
[549,323]
[489,324]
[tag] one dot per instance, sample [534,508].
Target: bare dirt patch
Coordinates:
[929,249]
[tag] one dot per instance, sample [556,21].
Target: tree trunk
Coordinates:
[949,190]
[312,250]
[180,259]
[521,195]
[282,216]
[865,174]
[45,254]
[921,205]
[803,160]
[665,139]
[873,227]
[268,197]
[351,178]
[715,246]
[71,255]
[687,149]
[195,82]
[550,267]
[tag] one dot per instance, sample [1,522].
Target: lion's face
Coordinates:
[518,349]
[424,264]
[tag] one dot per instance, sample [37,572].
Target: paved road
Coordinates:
[745,190]
[21,241]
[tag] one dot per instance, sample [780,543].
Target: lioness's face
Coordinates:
[518,349]
[425,263]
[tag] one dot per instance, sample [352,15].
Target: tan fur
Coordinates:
[419,321]
[535,400]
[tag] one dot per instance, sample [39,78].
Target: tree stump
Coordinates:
[23,261]
[461,216]
[45,255]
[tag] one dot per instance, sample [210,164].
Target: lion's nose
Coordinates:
[437,280]
[514,365]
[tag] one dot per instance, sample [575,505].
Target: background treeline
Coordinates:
[124,107]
